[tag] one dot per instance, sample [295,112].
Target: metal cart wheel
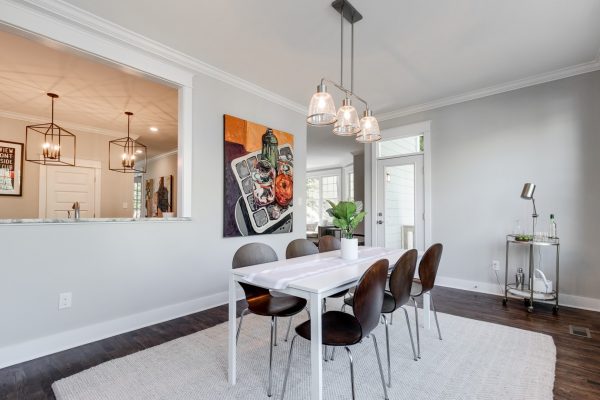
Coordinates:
[530,309]
[504,302]
[555,310]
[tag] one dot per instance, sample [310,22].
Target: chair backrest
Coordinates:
[368,297]
[329,243]
[253,254]
[428,266]
[402,277]
[299,248]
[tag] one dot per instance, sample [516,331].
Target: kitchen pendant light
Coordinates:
[127,155]
[369,129]
[321,110]
[49,144]
[347,123]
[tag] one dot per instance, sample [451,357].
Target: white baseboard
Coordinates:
[567,300]
[21,352]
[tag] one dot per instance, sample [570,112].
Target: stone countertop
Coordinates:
[36,221]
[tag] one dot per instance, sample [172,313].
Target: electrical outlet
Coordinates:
[496,265]
[65,300]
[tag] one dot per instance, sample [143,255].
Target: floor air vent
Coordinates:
[579,331]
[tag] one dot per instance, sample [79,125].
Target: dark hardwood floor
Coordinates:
[577,366]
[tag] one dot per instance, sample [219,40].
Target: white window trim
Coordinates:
[325,173]
[420,128]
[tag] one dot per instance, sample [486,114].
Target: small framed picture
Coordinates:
[11,168]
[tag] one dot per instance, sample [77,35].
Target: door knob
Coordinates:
[379,222]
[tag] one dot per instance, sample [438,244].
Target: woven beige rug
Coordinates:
[476,360]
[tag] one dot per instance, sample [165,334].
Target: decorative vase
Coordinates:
[349,249]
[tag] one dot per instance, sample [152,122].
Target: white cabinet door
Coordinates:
[65,186]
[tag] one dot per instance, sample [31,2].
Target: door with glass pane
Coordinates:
[400,203]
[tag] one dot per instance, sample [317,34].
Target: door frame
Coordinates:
[96,165]
[419,128]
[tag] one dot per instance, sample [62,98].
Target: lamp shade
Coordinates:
[369,129]
[528,190]
[321,110]
[347,123]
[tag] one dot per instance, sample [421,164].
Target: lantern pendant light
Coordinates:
[49,144]
[127,155]
[321,110]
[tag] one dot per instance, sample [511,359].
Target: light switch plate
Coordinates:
[65,300]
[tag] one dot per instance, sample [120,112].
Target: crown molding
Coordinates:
[163,155]
[81,20]
[68,125]
[496,89]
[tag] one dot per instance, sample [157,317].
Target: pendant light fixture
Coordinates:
[321,110]
[50,144]
[127,155]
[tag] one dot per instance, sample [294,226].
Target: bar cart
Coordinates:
[527,293]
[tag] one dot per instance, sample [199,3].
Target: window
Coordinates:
[401,146]
[350,186]
[137,196]
[320,187]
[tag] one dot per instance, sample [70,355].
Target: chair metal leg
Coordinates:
[287,371]
[307,312]
[352,372]
[412,343]
[435,315]
[385,393]
[237,335]
[273,328]
[387,343]
[392,319]
[275,341]
[287,335]
[417,325]
[332,353]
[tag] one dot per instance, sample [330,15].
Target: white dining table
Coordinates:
[335,276]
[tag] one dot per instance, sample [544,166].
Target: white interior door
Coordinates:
[65,186]
[400,203]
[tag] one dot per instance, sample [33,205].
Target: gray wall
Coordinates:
[482,153]
[118,281]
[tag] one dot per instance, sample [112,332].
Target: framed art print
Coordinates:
[11,168]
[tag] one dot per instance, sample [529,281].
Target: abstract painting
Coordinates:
[259,179]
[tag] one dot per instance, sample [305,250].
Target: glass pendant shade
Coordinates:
[370,129]
[347,123]
[321,110]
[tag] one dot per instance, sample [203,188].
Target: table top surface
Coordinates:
[327,280]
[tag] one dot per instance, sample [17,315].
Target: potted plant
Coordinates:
[346,216]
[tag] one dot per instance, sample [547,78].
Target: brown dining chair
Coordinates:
[299,248]
[428,268]
[260,300]
[398,296]
[340,329]
[329,243]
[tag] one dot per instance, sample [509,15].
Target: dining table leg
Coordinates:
[231,370]
[316,348]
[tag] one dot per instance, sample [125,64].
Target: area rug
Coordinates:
[475,360]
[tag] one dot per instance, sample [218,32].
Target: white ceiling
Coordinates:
[407,52]
[93,94]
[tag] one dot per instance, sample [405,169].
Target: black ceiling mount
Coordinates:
[350,13]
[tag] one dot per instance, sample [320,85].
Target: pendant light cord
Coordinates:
[342,46]
[352,56]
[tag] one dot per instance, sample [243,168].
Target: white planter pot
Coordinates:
[349,249]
